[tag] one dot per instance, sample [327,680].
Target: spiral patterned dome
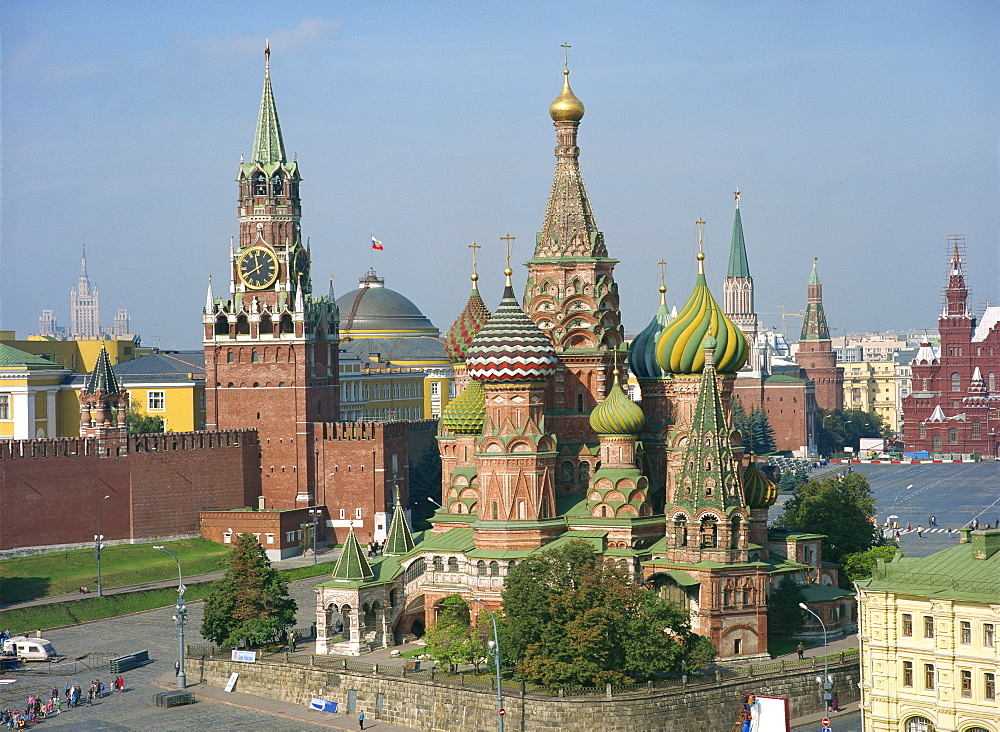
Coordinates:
[510,347]
[758,491]
[459,337]
[566,107]
[679,349]
[642,356]
[466,413]
[617,415]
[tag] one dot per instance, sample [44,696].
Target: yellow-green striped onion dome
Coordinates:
[758,491]
[680,351]
[617,415]
[466,413]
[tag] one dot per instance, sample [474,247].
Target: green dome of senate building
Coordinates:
[617,415]
[373,311]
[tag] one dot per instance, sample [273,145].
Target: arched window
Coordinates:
[991,383]
[452,564]
[230,358]
[976,429]
[242,324]
[709,532]
[222,325]
[584,469]
[511,564]
[579,402]
[254,358]
[286,324]
[481,568]
[919,724]
[734,539]
[494,569]
[952,436]
[266,326]
[415,570]
[681,530]
[923,432]
[956,382]
[566,471]
[259,184]
[276,185]
[936,443]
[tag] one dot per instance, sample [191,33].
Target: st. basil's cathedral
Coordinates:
[542,446]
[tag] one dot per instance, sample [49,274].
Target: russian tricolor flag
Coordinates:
[376,244]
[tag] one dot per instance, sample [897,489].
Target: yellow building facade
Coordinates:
[872,386]
[371,391]
[929,640]
[34,399]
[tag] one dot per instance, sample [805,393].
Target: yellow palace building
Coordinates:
[930,655]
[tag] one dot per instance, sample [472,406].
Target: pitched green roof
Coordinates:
[738,265]
[823,593]
[384,569]
[10,356]
[102,378]
[400,540]
[352,565]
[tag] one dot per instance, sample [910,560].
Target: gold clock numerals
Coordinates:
[258,268]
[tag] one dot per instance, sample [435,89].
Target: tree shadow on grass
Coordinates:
[23,589]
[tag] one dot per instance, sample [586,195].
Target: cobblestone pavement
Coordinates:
[155,632]
[843,723]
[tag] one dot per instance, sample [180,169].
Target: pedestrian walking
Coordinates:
[291,641]
[177,667]
[361,720]
[897,535]
[920,532]
[800,650]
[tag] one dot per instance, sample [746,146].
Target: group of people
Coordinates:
[38,708]
[375,548]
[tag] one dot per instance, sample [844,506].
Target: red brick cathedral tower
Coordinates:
[816,356]
[571,293]
[270,347]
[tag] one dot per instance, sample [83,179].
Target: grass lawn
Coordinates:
[59,573]
[782,646]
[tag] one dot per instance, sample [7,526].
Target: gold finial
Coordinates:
[737,194]
[473,246]
[663,282]
[566,107]
[507,270]
[565,48]
[614,371]
[701,251]
[267,56]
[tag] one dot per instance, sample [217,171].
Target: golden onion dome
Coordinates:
[566,107]
[617,415]
[758,491]
[466,413]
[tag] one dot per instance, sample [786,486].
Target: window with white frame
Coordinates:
[156,401]
[227,538]
[342,512]
[269,538]
[435,388]
[5,406]
[289,536]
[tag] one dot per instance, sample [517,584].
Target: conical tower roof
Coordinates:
[352,565]
[814,325]
[102,378]
[459,337]
[642,355]
[738,264]
[680,350]
[708,478]
[617,415]
[268,147]
[466,413]
[510,347]
[400,540]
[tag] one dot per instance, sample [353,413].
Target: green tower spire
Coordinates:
[709,478]
[400,540]
[738,265]
[102,378]
[352,565]
[268,147]
[814,325]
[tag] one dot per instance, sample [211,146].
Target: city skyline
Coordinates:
[861,136]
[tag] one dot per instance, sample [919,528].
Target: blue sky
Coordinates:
[860,133]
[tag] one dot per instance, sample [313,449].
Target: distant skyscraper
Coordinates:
[84,306]
[123,324]
[47,324]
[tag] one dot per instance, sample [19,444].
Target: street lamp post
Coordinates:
[99,544]
[180,617]
[495,647]
[894,500]
[315,513]
[826,676]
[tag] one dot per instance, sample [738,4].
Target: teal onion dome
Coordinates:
[642,356]
[617,415]
[758,491]
[466,413]
[510,347]
[679,349]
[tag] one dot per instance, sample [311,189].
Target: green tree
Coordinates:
[838,428]
[425,482]
[861,565]
[843,510]
[740,421]
[251,600]
[453,639]
[784,616]
[139,423]
[571,618]
[762,432]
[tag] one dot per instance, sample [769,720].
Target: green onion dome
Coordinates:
[459,337]
[758,491]
[679,349]
[510,347]
[617,415]
[642,355]
[466,413]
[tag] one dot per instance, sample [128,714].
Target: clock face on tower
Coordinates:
[300,266]
[258,268]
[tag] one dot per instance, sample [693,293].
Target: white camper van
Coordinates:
[29,649]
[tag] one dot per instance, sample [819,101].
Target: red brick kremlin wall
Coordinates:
[49,489]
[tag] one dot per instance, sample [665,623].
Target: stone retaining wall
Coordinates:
[436,707]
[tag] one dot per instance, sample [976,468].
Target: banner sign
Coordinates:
[231,684]
[245,656]
[322,705]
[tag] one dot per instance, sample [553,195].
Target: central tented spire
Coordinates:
[268,147]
